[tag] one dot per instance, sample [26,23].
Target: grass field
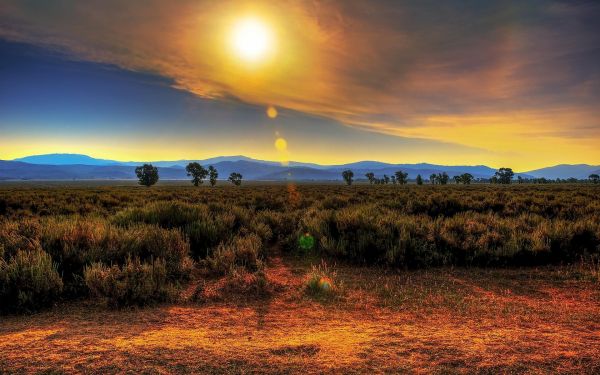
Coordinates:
[289,278]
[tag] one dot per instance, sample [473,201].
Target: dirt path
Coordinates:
[290,333]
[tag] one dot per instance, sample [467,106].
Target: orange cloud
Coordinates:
[492,76]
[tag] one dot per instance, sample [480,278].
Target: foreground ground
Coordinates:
[441,320]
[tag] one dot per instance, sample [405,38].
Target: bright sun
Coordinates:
[251,39]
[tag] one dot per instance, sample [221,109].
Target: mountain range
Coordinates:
[84,167]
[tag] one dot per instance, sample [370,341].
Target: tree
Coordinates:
[433,178]
[235,178]
[197,172]
[466,178]
[504,175]
[401,177]
[212,175]
[520,179]
[147,174]
[456,179]
[386,179]
[442,178]
[370,176]
[393,178]
[419,180]
[594,178]
[348,175]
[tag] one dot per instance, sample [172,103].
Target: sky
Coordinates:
[501,83]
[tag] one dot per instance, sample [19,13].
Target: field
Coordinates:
[299,277]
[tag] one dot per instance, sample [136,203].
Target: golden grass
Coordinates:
[441,320]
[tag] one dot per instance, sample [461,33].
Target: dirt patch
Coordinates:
[444,321]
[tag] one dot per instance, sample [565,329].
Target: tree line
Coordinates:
[147,175]
[501,176]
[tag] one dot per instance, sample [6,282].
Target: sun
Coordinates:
[251,39]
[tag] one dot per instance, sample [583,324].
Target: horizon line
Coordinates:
[282,163]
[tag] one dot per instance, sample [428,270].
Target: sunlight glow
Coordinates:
[251,39]
[271,112]
[281,144]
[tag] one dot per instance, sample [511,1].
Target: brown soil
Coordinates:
[443,320]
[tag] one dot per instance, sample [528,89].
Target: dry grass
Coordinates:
[440,320]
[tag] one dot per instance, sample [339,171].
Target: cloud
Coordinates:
[495,69]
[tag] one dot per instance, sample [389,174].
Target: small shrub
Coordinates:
[18,235]
[151,242]
[28,281]
[134,283]
[321,281]
[239,284]
[205,234]
[240,252]
[590,267]
[242,282]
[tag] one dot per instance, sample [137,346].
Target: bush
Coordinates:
[163,214]
[150,242]
[204,226]
[75,244]
[28,281]
[134,283]
[18,235]
[240,252]
[321,281]
[204,235]
[229,229]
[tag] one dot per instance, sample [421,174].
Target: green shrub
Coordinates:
[28,281]
[134,283]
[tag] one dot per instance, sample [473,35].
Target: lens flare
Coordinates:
[326,284]
[306,242]
[281,144]
[272,112]
[293,194]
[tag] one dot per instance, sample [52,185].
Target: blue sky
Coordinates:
[45,93]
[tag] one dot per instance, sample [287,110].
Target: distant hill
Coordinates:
[14,170]
[70,159]
[580,171]
[66,159]
[77,166]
